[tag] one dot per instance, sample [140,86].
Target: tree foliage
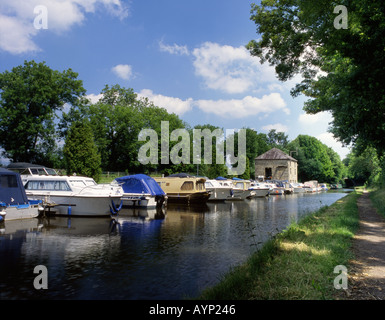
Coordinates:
[299,37]
[80,152]
[315,160]
[31,94]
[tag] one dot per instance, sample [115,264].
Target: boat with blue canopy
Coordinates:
[140,190]
[14,203]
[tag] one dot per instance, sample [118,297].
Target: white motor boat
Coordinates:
[220,190]
[242,189]
[297,187]
[75,195]
[260,189]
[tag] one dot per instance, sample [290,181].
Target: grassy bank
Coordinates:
[299,262]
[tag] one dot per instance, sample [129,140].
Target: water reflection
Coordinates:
[143,254]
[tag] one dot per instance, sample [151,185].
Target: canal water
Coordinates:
[143,254]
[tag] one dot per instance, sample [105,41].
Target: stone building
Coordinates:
[276,165]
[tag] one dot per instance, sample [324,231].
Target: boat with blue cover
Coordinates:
[140,190]
[14,203]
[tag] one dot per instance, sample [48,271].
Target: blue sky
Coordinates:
[186,56]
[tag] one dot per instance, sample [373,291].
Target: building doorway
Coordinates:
[268,173]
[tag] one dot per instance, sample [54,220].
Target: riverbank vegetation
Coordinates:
[297,263]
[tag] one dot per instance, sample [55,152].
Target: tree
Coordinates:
[80,152]
[277,140]
[364,166]
[313,159]
[31,95]
[300,37]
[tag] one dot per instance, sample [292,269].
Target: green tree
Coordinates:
[313,159]
[213,169]
[364,166]
[80,152]
[277,140]
[300,37]
[31,96]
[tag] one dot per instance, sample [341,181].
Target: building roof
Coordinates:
[275,154]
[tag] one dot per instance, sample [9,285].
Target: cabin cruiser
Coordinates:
[75,195]
[140,190]
[298,187]
[311,186]
[184,188]
[276,188]
[219,190]
[260,189]
[14,203]
[242,189]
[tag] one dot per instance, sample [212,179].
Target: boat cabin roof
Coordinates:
[26,168]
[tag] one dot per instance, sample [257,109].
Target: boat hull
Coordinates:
[142,200]
[219,194]
[260,193]
[22,212]
[196,197]
[79,205]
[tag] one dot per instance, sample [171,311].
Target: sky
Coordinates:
[186,56]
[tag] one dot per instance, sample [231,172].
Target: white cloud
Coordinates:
[123,71]
[328,139]
[94,98]
[18,16]
[279,127]
[16,36]
[317,125]
[171,104]
[318,118]
[230,69]
[232,108]
[246,107]
[173,49]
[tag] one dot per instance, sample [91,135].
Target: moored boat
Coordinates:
[75,195]
[311,186]
[260,189]
[242,189]
[14,203]
[184,188]
[219,191]
[140,190]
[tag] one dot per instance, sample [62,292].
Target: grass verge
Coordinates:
[299,262]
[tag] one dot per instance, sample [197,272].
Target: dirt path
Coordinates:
[366,274]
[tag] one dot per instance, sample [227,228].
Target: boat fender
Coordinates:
[115,210]
[69,211]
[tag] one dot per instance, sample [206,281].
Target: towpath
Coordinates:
[366,273]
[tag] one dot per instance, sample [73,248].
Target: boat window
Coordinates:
[34,171]
[209,185]
[187,185]
[90,182]
[51,172]
[48,185]
[8,181]
[77,183]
